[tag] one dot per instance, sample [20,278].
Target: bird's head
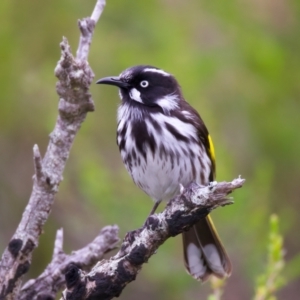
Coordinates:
[148,86]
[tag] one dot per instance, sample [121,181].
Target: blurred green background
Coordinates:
[238,62]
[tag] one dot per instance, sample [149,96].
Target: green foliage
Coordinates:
[269,282]
[217,286]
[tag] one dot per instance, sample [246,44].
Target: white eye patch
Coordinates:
[153,70]
[135,95]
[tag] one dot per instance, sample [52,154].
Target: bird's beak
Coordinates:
[113,81]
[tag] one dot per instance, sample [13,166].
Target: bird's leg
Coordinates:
[155,206]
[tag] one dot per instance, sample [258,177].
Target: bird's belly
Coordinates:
[160,178]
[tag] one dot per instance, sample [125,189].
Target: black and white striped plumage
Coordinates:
[164,143]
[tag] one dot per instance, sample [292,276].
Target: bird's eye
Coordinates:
[144,83]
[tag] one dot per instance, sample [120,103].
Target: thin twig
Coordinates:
[58,244]
[52,279]
[38,167]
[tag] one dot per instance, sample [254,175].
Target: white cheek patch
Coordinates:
[168,103]
[135,95]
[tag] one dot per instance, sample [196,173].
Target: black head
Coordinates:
[147,85]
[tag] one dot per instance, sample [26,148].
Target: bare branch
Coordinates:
[86,27]
[109,277]
[99,7]
[75,77]
[38,166]
[52,279]
[58,244]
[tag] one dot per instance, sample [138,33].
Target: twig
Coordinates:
[109,277]
[52,279]
[38,166]
[86,27]
[75,77]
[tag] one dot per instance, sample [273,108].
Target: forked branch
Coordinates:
[52,279]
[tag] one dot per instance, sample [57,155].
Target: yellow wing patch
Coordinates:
[211,148]
[212,154]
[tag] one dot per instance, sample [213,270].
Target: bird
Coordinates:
[164,145]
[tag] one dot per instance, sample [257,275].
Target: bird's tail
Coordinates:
[204,254]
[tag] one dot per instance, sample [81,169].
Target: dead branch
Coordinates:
[109,277]
[52,279]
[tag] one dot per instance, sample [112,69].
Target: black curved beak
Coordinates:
[116,81]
